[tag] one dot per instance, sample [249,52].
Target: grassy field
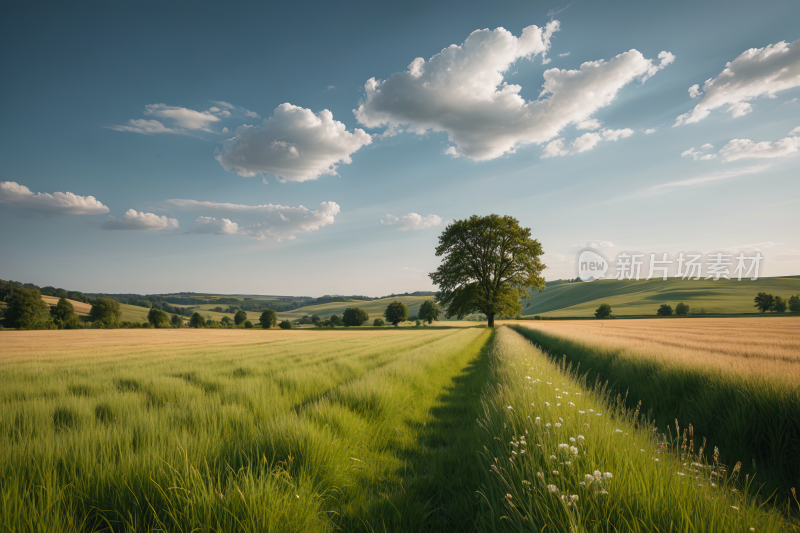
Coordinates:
[317,430]
[375,308]
[631,297]
[735,380]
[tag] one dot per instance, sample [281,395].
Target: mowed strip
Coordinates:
[233,430]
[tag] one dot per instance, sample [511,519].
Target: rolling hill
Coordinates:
[630,297]
[375,308]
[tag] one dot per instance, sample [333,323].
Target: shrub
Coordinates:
[248,324]
[378,322]
[353,316]
[604,311]
[336,320]
[664,310]
[285,325]
[418,322]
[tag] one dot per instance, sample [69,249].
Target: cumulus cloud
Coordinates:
[294,145]
[145,126]
[648,131]
[233,110]
[183,118]
[588,124]
[412,221]
[258,221]
[698,156]
[585,142]
[135,220]
[756,72]
[565,54]
[747,149]
[461,91]
[57,203]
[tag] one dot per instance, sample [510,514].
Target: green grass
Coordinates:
[750,419]
[643,297]
[133,313]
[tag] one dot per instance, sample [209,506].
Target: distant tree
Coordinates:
[604,311]
[664,310]
[105,313]
[64,316]
[325,324]
[177,321]
[336,320]
[353,316]
[488,266]
[269,318]
[25,309]
[226,321]
[794,303]
[764,301]
[197,321]
[158,318]
[240,317]
[305,319]
[429,311]
[780,305]
[682,309]
[396,312]
[248,324]
[418,322]
[285,325]
[316,320]
[378,322]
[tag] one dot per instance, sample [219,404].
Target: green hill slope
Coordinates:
[375,308]
[642,297]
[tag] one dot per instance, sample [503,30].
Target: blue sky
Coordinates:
[242,148]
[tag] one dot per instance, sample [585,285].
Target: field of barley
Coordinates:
[409,429]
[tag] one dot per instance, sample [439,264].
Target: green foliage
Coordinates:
[268,318]
[159,318]
[25,309]
[325,324]
[197,321]
[780,305]
[794,303]
[429,311]
[240,317]
[396,312]
[105,313]
[316,320]
[226,321]
[682,309]
[336,320]
[489,264]
[248,324]
[378,322]
[664,310]
[64,316]
[418,322]
[604,311]
[353,316]
[177,322]
[286,325]
[764,302]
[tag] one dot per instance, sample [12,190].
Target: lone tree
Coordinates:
[604,311]
[429,311]
[664,310]
[396,312]
[489,264]
[285,325]
[682,309]
[239,317]
[378,322]
[158,318]
[764,301]
[64,315]
[25,309]
[269,318]
[794,303]
[353,316]
[105,313]
[197,321]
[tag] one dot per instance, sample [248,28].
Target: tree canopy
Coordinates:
[682,309]
[158,318]
[25,309]
[105,313]
[488,265]
[268,319]
[396,312]
[378,322]
[604,311]
[353,316]
[664,310]
[764,301]
[64,316]
[177,321]
[794,303]
[240,317]
[197,321]
[336,320]
[429,311]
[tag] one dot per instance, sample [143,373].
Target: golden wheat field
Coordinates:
[768,346]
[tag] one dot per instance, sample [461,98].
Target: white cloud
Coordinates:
[705,178]
[588,124]
[565,54]
[747,149]
[707,146]
[135,220]
[186,119]
[585,142]
[595,244]
[412,221]
[259,221]
[461,91]
[648,131]
[756,72]
[57,203]
[698,156]
[145,126]
[233,110]
[293,145]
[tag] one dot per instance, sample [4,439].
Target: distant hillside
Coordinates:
[375,308]
[642,297]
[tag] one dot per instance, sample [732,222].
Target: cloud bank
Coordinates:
[135,220]
[461,91]
[412,221]
[746,149]
[756,72]
[293,145]
[585,142]
[57,203]
[258,221]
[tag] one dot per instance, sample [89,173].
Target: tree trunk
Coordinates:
[490,316]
